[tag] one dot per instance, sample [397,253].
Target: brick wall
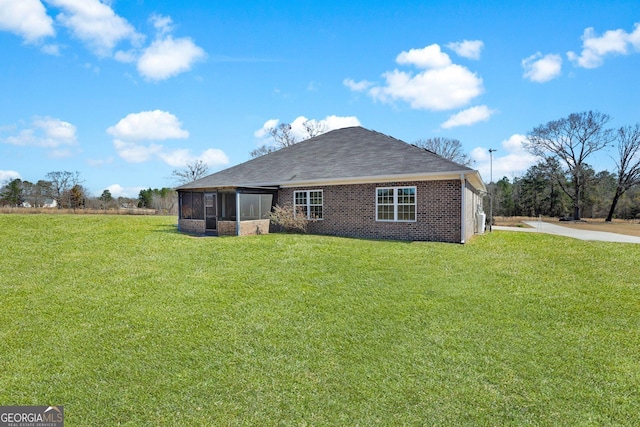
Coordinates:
[196,226]
[226,228]
[350,211]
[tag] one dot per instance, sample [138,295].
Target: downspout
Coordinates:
[463,188]
[237,212]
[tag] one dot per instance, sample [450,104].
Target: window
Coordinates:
[191,205]
[396,204]
[309,202]
[255,206]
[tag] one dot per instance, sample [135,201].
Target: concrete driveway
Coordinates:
[545,227]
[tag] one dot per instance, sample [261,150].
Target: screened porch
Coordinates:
[226,212]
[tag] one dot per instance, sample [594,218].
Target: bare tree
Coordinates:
[61,183]
[627,164]
[314,128]
[192,171]
[449,148]
[262,150]
[572,140]
[283,136]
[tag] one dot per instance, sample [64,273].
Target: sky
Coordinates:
[125,92]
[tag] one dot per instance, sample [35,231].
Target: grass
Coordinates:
[126,322]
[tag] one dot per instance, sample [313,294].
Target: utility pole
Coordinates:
[491,151]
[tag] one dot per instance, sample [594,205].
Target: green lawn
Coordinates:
[126,322]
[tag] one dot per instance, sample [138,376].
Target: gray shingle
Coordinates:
[346,153]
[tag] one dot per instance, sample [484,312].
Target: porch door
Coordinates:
[211,211]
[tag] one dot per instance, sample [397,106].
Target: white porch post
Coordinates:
[237,213]
[463,219]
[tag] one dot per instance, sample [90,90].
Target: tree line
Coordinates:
[565,146]
[539,192]
[64,190]
[563,183]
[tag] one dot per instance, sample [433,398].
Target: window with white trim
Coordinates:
[396,204]
[309,202]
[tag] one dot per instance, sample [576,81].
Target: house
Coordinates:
[50,203]
[350,182]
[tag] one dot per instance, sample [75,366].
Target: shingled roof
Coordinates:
[349,155]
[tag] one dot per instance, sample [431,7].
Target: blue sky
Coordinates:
[124,92]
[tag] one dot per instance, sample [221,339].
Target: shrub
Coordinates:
[285,218]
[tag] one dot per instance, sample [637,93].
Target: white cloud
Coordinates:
[298,129]
[515,162]
[479,154]
[264,130]
[468,117]
[169,57]
[26,18]
[427,57]
[46,132]
[435,89]
[441,86]
[612,42]
[212,157]
[469,49]
[51,49]
[542,68]
[136,153]
[96,24]
[162,24]
[149,125]
[117,190]
[128,56]
[338,122]
[8,176]
[56,130]
[634,38]
[139,153]
[157,125]
[357,86]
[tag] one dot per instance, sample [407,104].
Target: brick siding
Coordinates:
[194,226]
[227,228]
[350,211]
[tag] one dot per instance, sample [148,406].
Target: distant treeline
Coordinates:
[64,191]
[539,192]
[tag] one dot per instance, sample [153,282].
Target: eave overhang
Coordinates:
[470,175]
